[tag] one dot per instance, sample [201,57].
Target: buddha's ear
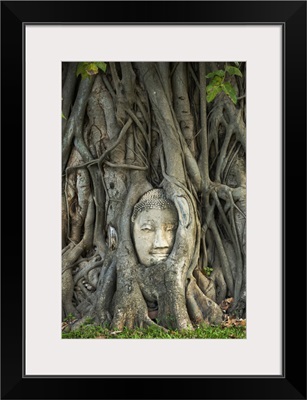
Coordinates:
[183,210]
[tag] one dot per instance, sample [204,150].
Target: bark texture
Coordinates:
[136,127]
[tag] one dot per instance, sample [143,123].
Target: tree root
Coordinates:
[73,255]
[205,284]
[200,307]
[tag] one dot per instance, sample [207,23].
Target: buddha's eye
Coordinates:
[147,228]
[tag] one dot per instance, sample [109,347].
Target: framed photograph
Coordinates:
[157,184]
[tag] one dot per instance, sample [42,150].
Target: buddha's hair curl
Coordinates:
[153,199]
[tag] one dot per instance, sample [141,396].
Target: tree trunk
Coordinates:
[143,149]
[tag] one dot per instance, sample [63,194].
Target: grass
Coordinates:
[90,331]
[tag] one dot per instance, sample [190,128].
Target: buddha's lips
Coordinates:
[159,254]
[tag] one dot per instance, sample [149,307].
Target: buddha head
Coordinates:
[155,222]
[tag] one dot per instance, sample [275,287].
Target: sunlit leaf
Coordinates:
[230,91]
[102,66]
[220,73]
[216,81]
[212,92]
[91,69]
[81,68]
[233,71]
[87,69]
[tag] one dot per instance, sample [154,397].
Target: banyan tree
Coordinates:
[153,192]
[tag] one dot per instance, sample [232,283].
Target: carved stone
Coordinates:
[155,221]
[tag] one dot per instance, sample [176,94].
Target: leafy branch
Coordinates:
[218,84]
[87,69]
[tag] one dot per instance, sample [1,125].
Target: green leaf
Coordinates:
[207,271]
[91,69]
[233,71]
[214,88]
[212,92]
[87,69]
[220,73]
[216,81]
[230,91]
[102,66]
[81,68]
[63,116]
[237,64]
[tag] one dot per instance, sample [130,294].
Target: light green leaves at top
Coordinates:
[233,71]
[216,81]
[212,92]
[220,73]
[63,116]
[218,84]
[214,88]
[102,66]
[81,70]
[87,69]
[92,69]
[230,91]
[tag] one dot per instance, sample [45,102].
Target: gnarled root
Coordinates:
[71,257]
[130,308]
[200,307]
[105,294]
[206,285]
[172,311]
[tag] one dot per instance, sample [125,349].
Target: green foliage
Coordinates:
[87,69]
[230,91]
[70,317]
[207,271]
[102,66]
[84,332]
[63,116]
[218,84]
[216,81]
[202,331]
[233,71]
[212,92]
[220,73]
[88,321]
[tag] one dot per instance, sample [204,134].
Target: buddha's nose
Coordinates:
[160,239]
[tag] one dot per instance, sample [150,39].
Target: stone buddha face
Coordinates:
[155,223]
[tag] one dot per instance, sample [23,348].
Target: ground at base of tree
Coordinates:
[230,329]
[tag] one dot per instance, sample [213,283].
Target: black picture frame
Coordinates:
[292,384]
